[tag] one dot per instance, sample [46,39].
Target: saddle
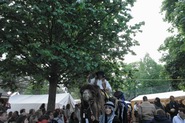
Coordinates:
[104,93]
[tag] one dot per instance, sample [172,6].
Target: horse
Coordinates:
[92,102]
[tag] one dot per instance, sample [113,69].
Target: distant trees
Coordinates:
[146,76]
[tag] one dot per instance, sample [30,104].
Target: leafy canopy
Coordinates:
[59,41]
[174,46]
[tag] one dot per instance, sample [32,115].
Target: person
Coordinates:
[14,117]
[122,107]
[129,113]
[108,115]
[23,112]
[100,80]
[63,110]
[68,112]
[77,112]
[43,119]
[38,115]
[3,115]
[22,119]
[10,115]
[146,111]
[136,115]
[50,117]
[160,117]
[31,115]
[57,116]
[158,104]
[43,108]
[2,102]
[136,107]
[73,118]
[180,117]
[180,103]
[172,107]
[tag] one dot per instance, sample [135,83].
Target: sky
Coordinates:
[154,31]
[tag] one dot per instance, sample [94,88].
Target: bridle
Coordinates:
[92,102]
[85,111]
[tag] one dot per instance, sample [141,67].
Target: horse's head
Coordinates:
[87,95]
[92,101]
[89,92]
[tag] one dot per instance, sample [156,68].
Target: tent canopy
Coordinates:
[164,97]
[34,101]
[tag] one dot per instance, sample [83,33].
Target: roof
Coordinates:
[164,95]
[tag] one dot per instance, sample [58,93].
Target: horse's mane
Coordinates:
[97,99]
[95,90]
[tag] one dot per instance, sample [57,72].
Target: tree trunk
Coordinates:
[52,94]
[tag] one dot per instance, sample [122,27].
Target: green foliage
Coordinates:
[174,46]
[36,89]
[58,41]
[146,77]
[174,59]
[75,93]
[8,82]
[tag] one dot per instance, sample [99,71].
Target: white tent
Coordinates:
[34,101]
[164,97]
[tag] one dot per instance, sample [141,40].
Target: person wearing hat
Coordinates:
[122,107]
[100,80]
[108,115]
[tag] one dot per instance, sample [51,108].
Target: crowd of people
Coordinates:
[157,112]
[63,115]
[144,112]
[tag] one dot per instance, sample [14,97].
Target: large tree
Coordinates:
[174,46]
[60,41]
[174,60]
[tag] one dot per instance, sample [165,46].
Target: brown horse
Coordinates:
[92,102]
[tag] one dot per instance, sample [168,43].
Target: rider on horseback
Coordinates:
[100,80]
